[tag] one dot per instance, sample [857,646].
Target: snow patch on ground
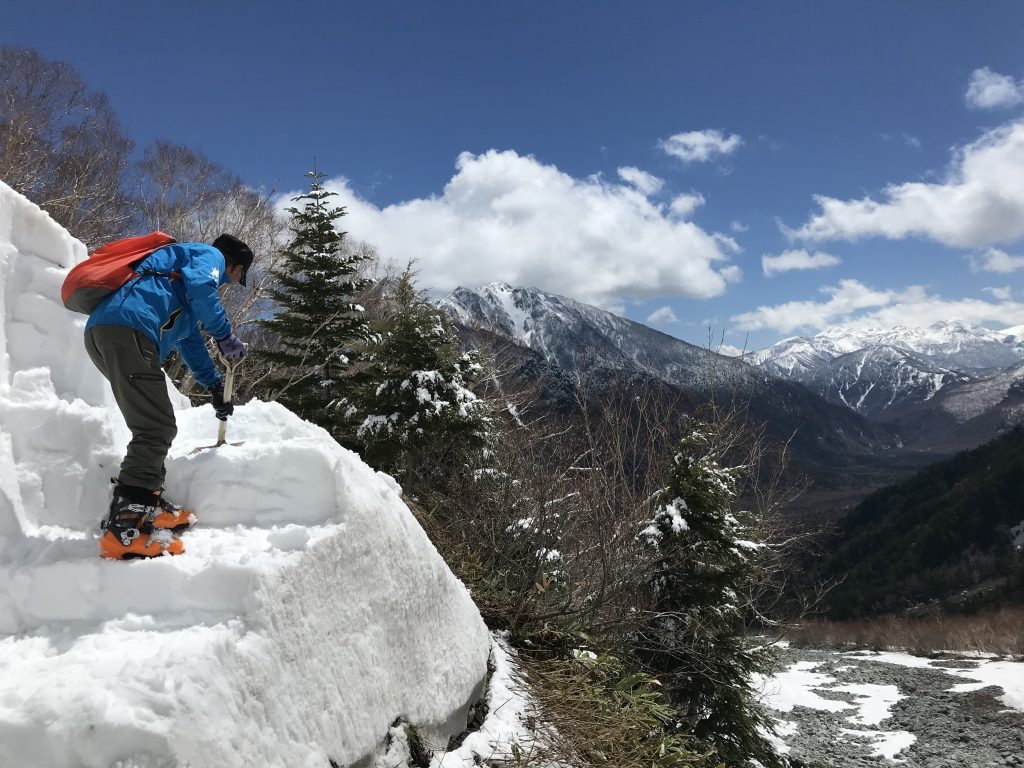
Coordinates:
[887,744]
[986,671]
[308,613]
[804,684]
[799,685]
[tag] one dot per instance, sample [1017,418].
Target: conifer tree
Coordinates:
[413,409]
[318,324]
[695,642]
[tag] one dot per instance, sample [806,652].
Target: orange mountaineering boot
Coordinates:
[134,544]
[172,516]
[128,531]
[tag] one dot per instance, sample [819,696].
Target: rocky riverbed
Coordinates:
[847,710]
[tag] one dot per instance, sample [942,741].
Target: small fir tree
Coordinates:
[318,323]
[412,410]
[695,642]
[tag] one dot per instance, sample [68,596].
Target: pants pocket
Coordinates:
[135,378]
[147,351]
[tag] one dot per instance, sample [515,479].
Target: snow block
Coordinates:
[308,613]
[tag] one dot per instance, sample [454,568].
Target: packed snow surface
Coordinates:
[308,613]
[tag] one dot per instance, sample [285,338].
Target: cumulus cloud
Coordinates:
[508,217]
[791,260]
[995,260]
[987,89]
[661,316]
[980,202]
[700,146]
[855,305]
[645,182]
[683,205]
[738,226]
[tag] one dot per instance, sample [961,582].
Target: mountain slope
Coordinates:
[308,612]
[967,414]
[951,533]
[599,346]
[880,381]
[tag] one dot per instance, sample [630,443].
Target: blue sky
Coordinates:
[645,157]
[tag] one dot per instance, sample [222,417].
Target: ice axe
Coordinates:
[229,385]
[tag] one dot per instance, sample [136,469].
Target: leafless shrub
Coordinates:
[194,199]
[62,146]
[1000,631]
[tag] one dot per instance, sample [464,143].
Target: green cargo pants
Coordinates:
[131,363]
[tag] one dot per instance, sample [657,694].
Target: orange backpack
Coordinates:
[108,268]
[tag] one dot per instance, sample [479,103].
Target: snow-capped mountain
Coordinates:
[880,372]
[949,344]
[575,336]
[582,339]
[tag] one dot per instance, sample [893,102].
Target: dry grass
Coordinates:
[1000,632]
[601,715]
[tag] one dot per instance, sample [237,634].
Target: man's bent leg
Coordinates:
[131,363]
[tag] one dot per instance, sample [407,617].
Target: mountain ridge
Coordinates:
[891,375]
[595,346]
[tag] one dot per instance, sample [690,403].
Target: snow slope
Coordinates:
[308,613]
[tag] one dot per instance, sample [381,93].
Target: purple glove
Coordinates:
[231,347]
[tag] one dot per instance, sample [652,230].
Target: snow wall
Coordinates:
[308,613]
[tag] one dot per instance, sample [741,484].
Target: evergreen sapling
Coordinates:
[318,324]
[695,641]
[413,405]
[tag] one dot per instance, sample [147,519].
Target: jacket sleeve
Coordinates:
[193,351]
[201,275]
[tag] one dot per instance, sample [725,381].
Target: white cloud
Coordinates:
[908,139]
[995,260]
[683,205]
[728,350]
[508,217]
[987,89]
[790,260]
[738,226]
[700,146]
[1003,293]
[732,273]
[981,201]
[855,305]
[645,182]
[661,316]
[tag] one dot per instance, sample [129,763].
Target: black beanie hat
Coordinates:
[235,252]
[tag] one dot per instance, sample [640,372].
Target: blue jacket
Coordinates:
[173,313]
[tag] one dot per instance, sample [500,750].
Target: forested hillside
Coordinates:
[950,535]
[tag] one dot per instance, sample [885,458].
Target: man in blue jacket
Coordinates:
[128,336]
